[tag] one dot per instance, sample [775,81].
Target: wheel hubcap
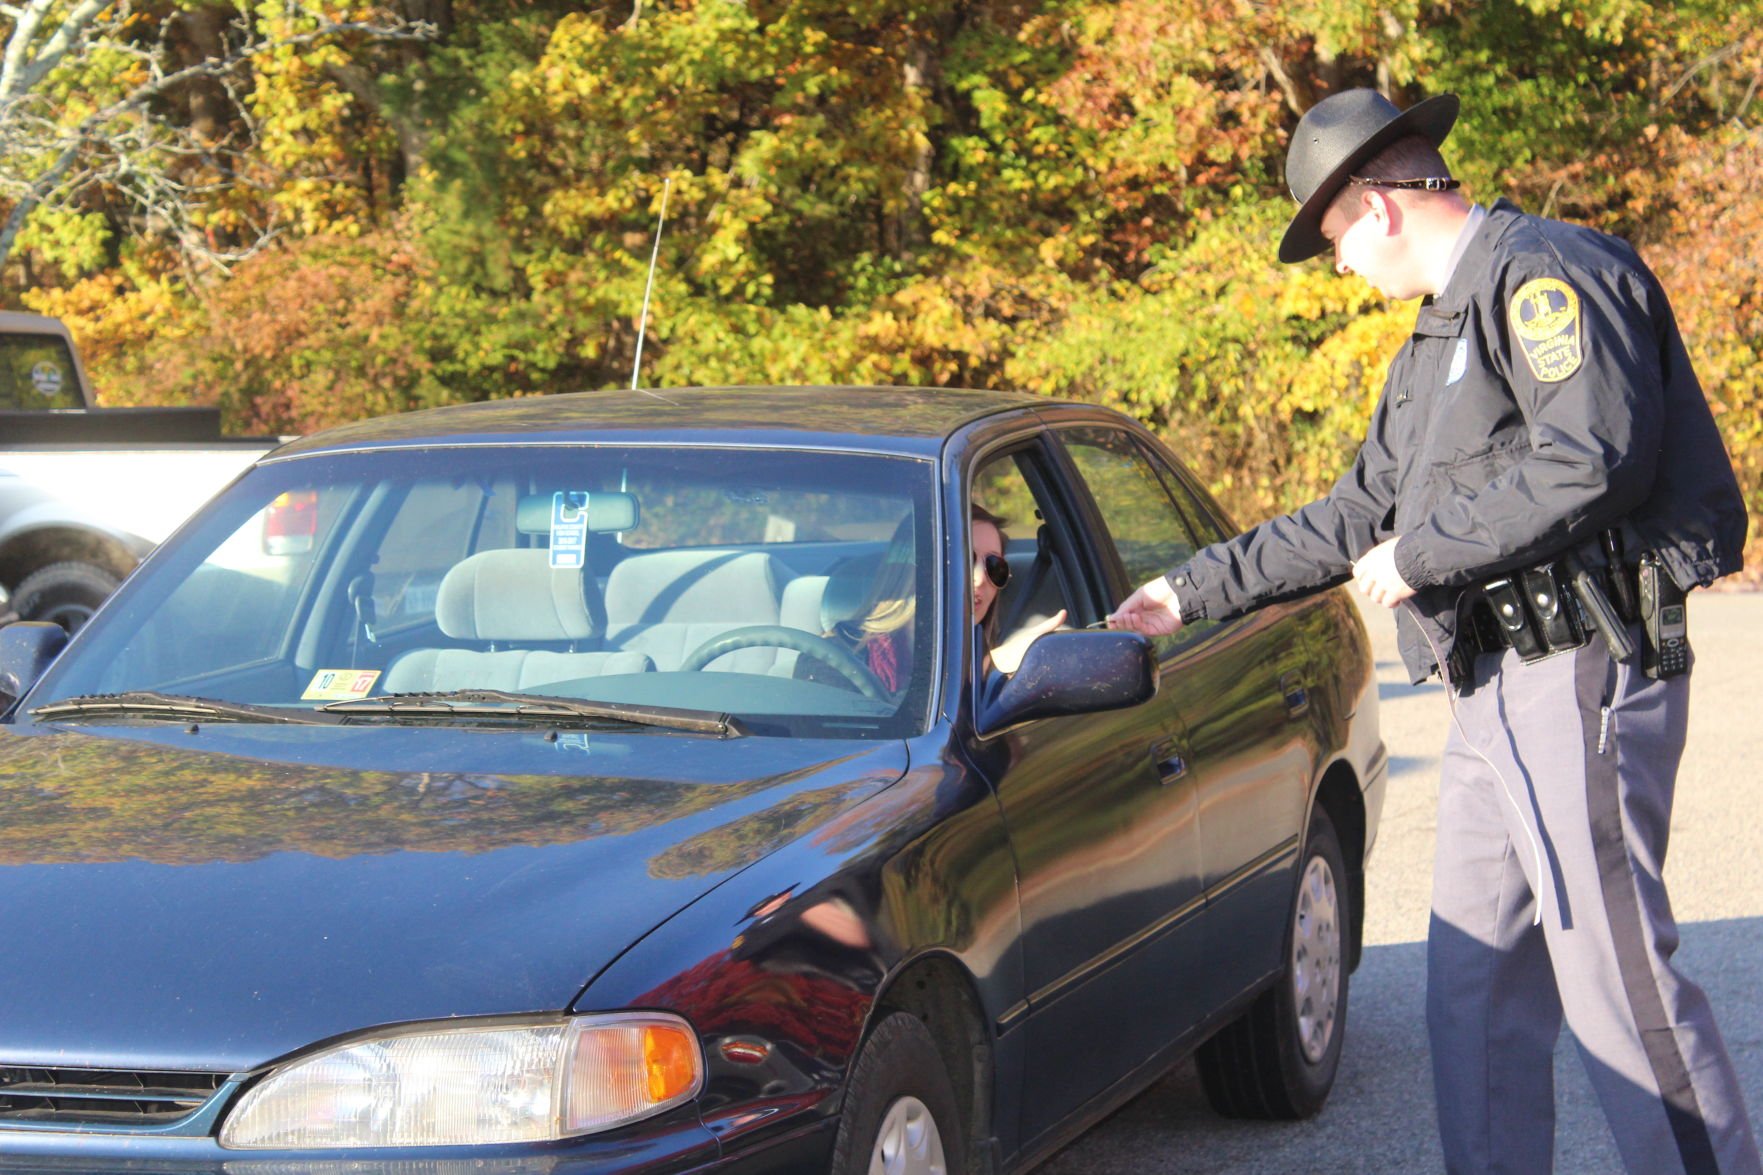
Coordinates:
[908,1142]
[1316,959]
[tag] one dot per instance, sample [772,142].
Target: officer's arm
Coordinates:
[1304,551]
[1595,422]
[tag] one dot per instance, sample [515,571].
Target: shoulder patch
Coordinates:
[1545,320]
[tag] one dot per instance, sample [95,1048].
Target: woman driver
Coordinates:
[991,571]
[882,637]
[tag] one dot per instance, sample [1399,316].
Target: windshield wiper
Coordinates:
[171,708]
[537,708]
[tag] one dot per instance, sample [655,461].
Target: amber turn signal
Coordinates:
[670,1059]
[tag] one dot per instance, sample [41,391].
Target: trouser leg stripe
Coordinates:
[1592,673]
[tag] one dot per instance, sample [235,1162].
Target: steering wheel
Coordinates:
[776,636]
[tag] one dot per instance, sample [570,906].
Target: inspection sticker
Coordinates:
[569,529]
[340,685]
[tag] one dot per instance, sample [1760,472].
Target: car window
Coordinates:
[236,605]
[716,515]
[792,589]
[36,373]
[1037,587]
[1199,518]
[1148,532]
[438,524]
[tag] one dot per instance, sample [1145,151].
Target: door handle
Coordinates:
[1167,757]
[1297,697]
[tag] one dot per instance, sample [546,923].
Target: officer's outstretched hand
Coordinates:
[1151,610]
[1376,577]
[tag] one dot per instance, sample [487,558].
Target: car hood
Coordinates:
[213,899]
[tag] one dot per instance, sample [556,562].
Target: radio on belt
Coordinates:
[1664,621]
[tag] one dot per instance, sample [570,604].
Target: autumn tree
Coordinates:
[1079,197]
[141,108]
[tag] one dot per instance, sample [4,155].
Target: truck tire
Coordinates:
[67,593]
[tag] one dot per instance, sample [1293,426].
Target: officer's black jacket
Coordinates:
[1544,396]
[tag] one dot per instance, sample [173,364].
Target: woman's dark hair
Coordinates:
[978,513]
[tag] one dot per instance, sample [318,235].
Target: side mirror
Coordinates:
[1066,673]
[26,649]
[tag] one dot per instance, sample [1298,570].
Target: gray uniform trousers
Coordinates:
[1589,750]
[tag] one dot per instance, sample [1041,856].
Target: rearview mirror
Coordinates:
[601,511]
[26,649]
[1066,673]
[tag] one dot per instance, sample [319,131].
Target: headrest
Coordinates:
[512,595]
[607,511]
[848,590]
[657,587]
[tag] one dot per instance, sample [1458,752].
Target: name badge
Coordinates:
[1459,362]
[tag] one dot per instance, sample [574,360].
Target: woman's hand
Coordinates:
[1008,655]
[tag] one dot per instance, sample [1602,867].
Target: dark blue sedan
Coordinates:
[729,779]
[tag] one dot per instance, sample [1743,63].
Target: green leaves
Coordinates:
[1081,197]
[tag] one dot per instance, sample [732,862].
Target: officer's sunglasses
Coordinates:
[996,569]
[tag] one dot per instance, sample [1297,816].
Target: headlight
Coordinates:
[453,1086]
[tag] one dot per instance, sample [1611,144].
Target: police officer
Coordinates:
[1540,444]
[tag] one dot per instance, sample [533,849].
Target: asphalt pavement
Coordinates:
[1380,1117]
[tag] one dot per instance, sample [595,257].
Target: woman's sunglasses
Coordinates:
[997,570]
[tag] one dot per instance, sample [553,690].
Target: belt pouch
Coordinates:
[1507,602]
[1557,623]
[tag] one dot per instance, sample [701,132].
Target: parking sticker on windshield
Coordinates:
[569,529]
[340,685]
[46,379]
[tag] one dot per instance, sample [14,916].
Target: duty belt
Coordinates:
[1543,610]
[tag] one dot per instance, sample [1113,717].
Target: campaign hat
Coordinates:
[1336,136]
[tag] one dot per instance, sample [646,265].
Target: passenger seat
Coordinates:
[505,596]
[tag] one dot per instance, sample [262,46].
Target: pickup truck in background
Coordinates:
[86,492]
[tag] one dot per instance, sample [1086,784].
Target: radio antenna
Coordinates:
[643,322]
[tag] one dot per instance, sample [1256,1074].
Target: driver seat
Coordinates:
[664,604]
[819,603]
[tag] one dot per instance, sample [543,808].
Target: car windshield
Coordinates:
[785,591]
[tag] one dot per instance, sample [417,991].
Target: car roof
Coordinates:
[906,420]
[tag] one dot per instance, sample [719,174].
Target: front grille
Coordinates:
[102,1097]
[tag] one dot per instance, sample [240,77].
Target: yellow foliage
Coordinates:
[1351,364]
[111,317]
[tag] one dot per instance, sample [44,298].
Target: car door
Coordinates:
[1102,822]
[1243,690]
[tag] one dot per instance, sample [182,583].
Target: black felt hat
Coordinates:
[1337,135]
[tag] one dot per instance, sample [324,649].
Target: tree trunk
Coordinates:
[413,137]
[196,36]
[907,231]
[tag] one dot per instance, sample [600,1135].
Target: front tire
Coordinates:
[66,593]
[900,1116]
[1278,1060]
